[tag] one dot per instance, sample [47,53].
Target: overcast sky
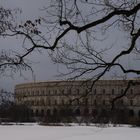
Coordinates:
[43,67]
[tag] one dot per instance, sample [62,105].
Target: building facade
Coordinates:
[48,98]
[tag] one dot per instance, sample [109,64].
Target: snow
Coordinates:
[36,132]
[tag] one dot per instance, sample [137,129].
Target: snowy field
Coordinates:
[36,132]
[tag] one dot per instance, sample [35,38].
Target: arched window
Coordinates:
[42,112]
[49,92]
[37,93]
[42,103]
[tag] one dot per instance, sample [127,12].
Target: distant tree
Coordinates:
[10,111]
[19,113]
[6,96]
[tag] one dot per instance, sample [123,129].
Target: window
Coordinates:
[62,91]
[32,93]
[37,92]
[103,102]
[42,112]
[103,91]
[32,103]
[49,102]
[49,92]
[112,91]
[37,103]
[55,92]
[55,102]
[42,92]
[95,91]
[63,102]
[42,102]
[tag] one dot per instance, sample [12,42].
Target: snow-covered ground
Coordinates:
[36,132]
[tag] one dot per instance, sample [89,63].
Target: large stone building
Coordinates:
[47,98]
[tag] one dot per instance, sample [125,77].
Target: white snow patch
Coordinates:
[36,132]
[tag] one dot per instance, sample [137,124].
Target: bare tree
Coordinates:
[86,55]
[89,37]
[10,61]
[79,30]
[94,38]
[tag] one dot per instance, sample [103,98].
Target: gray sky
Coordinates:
[42,66]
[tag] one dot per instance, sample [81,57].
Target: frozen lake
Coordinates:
[36,132]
